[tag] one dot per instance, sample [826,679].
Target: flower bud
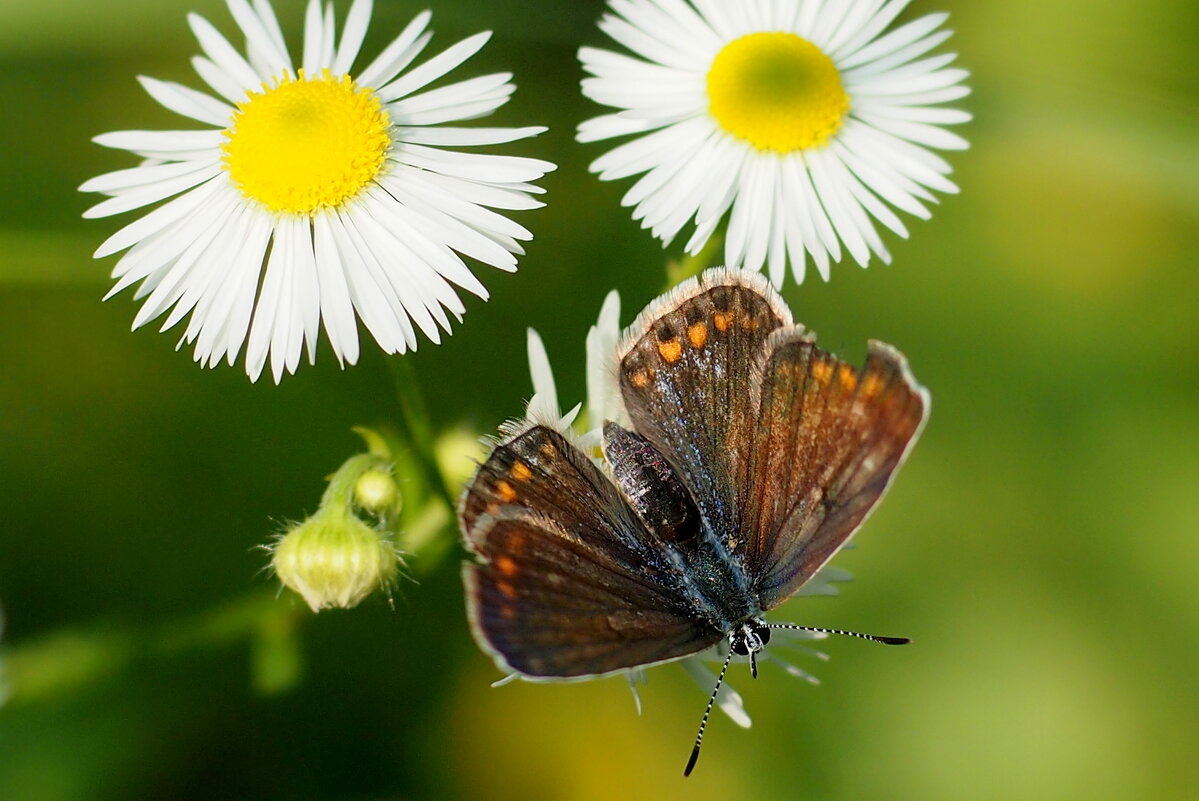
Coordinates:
[333,559]
[376,492]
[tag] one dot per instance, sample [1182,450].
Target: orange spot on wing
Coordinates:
[671,350]
[697,334]
[822,372]
[521,471]
[749,324]
[506,565]
[506,589]
[548,450]
[507,613]
[505,491]
[872,384]
[639,379]
[722,320]
[848,377]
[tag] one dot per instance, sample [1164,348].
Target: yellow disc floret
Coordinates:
[303,144]
[777,91]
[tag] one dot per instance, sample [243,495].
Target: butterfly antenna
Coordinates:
[703,724]
[871,637]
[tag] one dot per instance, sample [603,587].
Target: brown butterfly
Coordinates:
[753,456]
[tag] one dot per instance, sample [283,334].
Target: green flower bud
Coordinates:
[333,559]
[376,492]
[459,452]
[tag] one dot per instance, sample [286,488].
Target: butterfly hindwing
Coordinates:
[552,606]
[828,439]
[569,582]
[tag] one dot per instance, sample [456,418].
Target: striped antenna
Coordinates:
[699,738]
[871,637]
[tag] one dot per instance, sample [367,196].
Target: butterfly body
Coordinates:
[750,458]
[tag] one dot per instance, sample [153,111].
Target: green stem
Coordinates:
[414,417]
[339,494]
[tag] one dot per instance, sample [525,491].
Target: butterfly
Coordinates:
[752,457]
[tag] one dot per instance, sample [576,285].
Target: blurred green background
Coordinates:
[1040,546]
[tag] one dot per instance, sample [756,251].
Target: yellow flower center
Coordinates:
[777,91]
[306,144]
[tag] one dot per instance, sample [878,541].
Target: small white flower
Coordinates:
[317,194]
[796,119]
[603,393]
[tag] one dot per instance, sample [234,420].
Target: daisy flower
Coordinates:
[315,194]
[799,120]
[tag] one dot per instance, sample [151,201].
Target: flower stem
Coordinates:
[416,428]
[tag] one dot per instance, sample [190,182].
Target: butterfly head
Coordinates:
[750,637]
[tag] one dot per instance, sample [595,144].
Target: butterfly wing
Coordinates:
[569,583]
[828,440]
[686,373]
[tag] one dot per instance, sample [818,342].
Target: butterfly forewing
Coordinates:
[828,439]
[686,372]
[569,582]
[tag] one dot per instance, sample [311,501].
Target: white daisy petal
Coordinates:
[351,36]
[314,37]
[544,403]
[160,141]
[371,292]
[849,49]
[460,101]
[128,200]
[188,277]
[667,53]
[222,54]
[270,24]
[336,306]
[260,43]
[827,21]
[328,39]
[404,282]
[434,68]
[791,176]
[154,221]
[224,311]
[603,392]
[218,80]
[113,182]
[505,196]
[851,24]
[870,80]
[917,132]
[188,102]
[898,39]
[257,243]
[162,261]
[421,205]
[885,182]
[171,277]
[465,137]
[399,54]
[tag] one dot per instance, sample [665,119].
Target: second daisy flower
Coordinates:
[797,119]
